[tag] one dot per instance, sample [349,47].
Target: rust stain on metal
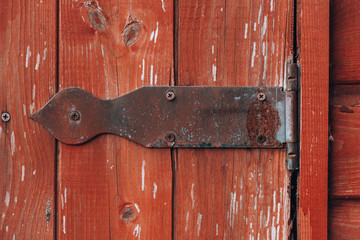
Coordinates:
[263,123]
[198,117]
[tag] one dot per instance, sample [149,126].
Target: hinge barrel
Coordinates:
[291,90]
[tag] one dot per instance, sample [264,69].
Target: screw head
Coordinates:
[261,139]
[170,137]
[261,96]
[170,95]
[74,115]
[5,117]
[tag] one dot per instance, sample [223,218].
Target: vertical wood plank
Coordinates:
[27,151]
[111,188]
[314,60]
[224,194]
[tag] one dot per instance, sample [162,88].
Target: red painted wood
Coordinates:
[232,193]
[345,41]
[111,188]
[27,156]
[344,162]
[313,46]
[344,219]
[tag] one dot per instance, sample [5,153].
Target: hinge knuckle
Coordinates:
[291,116]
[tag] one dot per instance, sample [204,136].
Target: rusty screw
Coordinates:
[127,214]
[170,137]
[5,117]
[170,95]
[261,139]
[261,96]
[74,115]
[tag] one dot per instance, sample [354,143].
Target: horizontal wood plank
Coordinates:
[345,41]
[344,162]
[344,219]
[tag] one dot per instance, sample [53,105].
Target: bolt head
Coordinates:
[170,137]
[170,95]
[5,117]
[261,139]
[261,96]
[74,115]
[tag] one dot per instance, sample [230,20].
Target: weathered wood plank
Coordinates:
[344,219]
[314,59]
[27,152]
[344,161]
[111,188]
[345,41]
[232,193]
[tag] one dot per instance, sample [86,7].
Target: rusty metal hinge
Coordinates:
[291,89]
[178,117]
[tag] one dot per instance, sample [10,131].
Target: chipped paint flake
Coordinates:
[34,92]
[22,172]
[65,191]
[154,191]
[137,231]
[214,72]
[192,196]
[152,36]
[264,27]
[151,74]
[253,54]
[45,51]
[259,14]
[163,5]
[143,176]
[64,228]
[7,199]
[198,223]
[246,30]
[156,31]
[137,207]
[28,55]
[37,62]
[232,208]
[187,221]
[12,142]
[143,70]
[24,109]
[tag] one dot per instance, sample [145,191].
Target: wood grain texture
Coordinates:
[345,41]
[344,219]
[27,156]
[344,161]
[314,60]
[232,193]
[111,188]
